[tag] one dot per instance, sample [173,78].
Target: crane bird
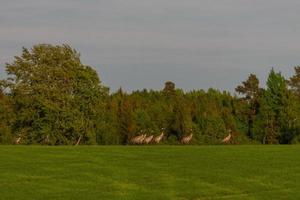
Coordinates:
[17,141]
[158,138]
[227,138]
[142,139]
[136,139]
[148,139]
[186,139]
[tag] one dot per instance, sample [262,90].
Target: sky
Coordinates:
[136,44]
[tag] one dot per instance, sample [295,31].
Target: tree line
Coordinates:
[49,97]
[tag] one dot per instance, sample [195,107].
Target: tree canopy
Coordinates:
[55,97]
[49,97]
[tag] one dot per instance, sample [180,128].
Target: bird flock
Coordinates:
[186,139]
[151,139]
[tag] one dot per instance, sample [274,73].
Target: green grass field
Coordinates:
[150,172]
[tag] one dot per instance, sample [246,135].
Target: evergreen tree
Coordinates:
[294,82]
[125,117]
[252,92]
[276,111]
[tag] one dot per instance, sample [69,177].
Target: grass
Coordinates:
[150,172]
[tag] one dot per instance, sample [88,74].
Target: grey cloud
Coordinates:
[139,43]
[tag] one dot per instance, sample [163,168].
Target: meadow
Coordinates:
[150,172]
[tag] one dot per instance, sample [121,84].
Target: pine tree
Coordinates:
[252,92]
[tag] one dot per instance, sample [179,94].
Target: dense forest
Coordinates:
[49,97]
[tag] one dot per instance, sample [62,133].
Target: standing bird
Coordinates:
[158,138]
[148,139]
[136,139]
[142,139]
[186,139]
[228,137]
[17,140]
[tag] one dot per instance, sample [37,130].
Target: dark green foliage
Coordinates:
[7,119]
[169,89]
[50,97]
[278,112]
[56,99]
[252,92]
[294,82]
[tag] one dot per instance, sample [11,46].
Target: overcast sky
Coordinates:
[140,44]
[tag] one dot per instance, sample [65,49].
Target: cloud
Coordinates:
[140,43]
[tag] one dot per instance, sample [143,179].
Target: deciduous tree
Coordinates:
[55,96]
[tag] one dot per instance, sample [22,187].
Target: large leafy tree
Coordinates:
[57,99]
